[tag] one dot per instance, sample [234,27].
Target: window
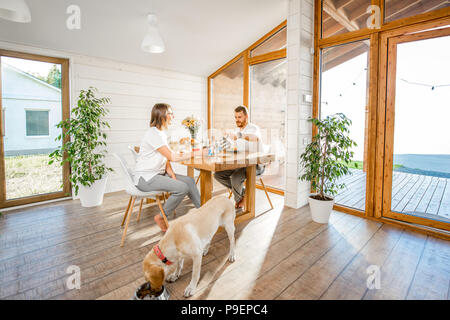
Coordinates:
[340,17]
[37,123]
[274,43]
[398,9]
[344,90]
[227,92]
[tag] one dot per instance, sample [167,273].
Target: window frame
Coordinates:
[377,83]
[48,121]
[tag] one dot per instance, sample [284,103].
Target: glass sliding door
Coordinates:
[417,150]
[344,89]
[31,104]
[268,100]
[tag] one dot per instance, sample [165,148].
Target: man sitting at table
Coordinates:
[247,137]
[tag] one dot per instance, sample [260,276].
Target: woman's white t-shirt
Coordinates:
[150,161]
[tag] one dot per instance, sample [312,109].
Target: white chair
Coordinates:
[133,152]
[135,193]
[165,194]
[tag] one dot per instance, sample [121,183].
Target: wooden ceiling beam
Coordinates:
[405,9]
[343,57]
[339,4]
[339,15]
[357,13]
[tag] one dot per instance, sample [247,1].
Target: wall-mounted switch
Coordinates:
[307,98]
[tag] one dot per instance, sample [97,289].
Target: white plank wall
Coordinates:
[133,91]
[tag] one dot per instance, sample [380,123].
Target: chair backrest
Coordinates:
[127,172]
[133,152]
[266,148]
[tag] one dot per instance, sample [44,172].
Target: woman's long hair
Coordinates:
[159,115]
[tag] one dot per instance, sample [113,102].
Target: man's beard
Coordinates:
[239,124]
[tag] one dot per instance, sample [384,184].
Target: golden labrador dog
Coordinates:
[189,236]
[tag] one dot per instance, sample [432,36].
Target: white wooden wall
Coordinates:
[133,90]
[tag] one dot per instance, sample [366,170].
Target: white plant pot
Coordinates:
[93,196]
[320,209]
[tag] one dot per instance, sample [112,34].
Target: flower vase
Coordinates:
[193,138]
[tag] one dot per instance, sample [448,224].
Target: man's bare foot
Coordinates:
[240,204]
[160,222]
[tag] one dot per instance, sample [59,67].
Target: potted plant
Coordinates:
[325,160]
[83,147]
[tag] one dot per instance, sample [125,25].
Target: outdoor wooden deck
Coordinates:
[411,193]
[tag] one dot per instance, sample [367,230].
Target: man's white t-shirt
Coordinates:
[245,145]
[150,161]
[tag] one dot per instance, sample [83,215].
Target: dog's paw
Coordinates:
[172,277]
[206,250]
[231,257]
[189,291]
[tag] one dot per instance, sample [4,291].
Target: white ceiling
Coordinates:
[200,35]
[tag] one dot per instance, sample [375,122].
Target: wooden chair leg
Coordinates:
[140,209]
[198,178]
[265,190]
[130,211]
[162,211]
[126,211]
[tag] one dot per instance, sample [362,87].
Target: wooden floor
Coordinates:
[411,193]
[281,254]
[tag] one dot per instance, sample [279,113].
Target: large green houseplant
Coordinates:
[325,160]
[84,147]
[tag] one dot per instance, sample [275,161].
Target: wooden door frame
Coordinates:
[65,103]
[271,56]
[389,42]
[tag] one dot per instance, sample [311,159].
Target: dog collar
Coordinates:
[160,255]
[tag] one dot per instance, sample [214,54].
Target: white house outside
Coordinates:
[31,109]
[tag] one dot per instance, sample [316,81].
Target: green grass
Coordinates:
[359,165]
[31,175]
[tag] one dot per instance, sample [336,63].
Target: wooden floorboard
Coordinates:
[281,254]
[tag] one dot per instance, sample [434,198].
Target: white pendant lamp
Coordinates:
[15,10]
[153,42]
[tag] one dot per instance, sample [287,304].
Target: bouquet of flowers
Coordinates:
[192,124]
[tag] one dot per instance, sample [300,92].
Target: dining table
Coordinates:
[208,164]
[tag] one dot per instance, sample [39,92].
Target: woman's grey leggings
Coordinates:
[178,189]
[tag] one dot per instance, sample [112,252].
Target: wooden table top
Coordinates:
[228,160]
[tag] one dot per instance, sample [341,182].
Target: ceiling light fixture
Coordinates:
[15,10]
[153,42]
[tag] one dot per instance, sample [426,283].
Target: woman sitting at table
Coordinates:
[154,173]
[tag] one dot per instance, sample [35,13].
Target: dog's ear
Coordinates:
[154,274]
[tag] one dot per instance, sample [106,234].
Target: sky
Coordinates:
[422,118]
[29,66]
